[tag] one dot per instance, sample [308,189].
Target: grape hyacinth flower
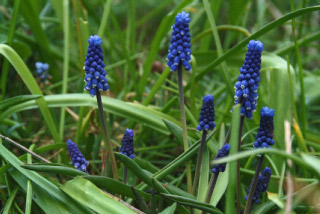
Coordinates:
[42,70]
[207,117]
[127,144]
[179,50]
[206,123]
[262,185]
[246,89]
[77,158]
[223,152]
[265,131]
[94,67]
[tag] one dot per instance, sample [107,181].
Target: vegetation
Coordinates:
[42,106]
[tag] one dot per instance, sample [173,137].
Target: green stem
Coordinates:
[212,186]
[253,185]
[184,127]
[199,161]
[238,165]
[107,137]
[303,97]
[65,62]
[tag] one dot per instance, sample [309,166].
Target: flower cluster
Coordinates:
[94,67]
[42,70]
[206,118]
[179,50]
[248,81]
[262,185]
[127,144]
[223,152]
[265,131]
[77,158]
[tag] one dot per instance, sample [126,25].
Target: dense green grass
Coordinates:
[144,96]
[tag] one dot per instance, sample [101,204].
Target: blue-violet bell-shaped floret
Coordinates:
[262,185]
[265,131]
[127,144]
[246,88]
[94,67]
[223,152]
[77,158]
[207,117]
[180,48]
[42,70]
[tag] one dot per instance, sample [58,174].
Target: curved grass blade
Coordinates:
[53,168]
[193,203]
[46,194]
[32,85]
[255,35]
[91,196]
[17,100]
[139,113]
[114,186]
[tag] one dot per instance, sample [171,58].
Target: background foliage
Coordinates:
[144,96]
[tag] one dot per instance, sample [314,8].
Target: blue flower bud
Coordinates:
[77,158]
[223,152]
[127,144]
[248,80]
[42,70]
[262,185]
[179,50]
[265,131]
[207,116]
[94,67]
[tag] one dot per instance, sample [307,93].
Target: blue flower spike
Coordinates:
[262,185]
[77,158]
[246,88]
[223,152]
[265,131]
[207,116]
[127,144]
[42,70]
[180,48]
[94,67]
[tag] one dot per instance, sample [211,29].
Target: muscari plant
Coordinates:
[96,82]
[179,57]
[127,149]
[42,71]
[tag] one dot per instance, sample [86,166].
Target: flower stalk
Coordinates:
[107,137]
[184,127]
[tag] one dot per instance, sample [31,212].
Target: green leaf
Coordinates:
[169,210]
[136,112]
[17,100]
[232,186]
[312,161]
[46,195]
[139,200]
[114,186]
[53,168]
[31,84]
[255,35]
[192,203]
[91,196]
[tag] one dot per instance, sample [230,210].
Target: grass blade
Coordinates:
[32,85]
